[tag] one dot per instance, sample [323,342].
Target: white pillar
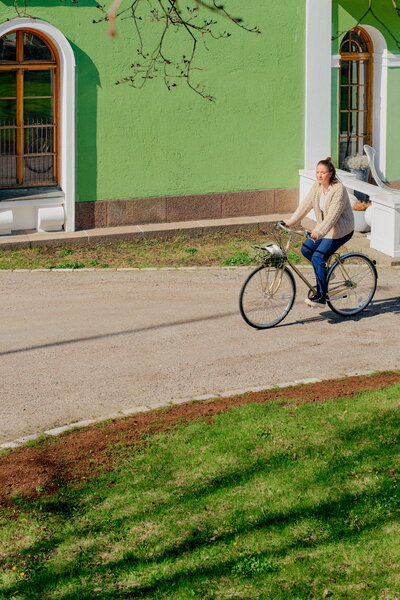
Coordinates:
[379,97]
[318,81]
[385,226]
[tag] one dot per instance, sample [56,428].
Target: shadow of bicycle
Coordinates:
[375,309]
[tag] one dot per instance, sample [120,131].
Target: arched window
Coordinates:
[355,98]
[28,110]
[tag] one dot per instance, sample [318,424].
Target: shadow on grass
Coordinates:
[371,443]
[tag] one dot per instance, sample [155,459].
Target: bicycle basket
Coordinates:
[269,255]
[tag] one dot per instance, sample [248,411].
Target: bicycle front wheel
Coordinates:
[351,284]
[267,296]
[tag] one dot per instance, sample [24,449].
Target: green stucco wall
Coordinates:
[393,130]
[346,14]
[154,142]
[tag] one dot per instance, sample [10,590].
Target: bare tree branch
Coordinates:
[174,18]
[185,17]
[370,10]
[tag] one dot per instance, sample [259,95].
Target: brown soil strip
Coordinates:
[78,455]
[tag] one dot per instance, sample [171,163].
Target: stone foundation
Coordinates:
[169,209]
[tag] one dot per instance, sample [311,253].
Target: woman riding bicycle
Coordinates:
[335,223]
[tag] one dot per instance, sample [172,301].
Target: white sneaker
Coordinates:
[315,301]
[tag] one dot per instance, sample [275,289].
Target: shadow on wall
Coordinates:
[87,82]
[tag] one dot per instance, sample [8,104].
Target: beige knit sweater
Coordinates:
[336,221]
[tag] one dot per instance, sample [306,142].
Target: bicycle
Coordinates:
[268,293]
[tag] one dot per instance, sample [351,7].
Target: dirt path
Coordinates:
[77,455]
[82,345]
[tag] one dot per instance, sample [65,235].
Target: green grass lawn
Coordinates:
[268,501]
[224,249]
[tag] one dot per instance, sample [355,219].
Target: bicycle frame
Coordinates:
[268,293]
[312,288]
[336,257]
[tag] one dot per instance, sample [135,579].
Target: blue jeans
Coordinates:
[318,252]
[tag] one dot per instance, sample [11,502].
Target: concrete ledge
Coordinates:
[359,243]
[143,231]
[15,241]
[37,240]
[95,236]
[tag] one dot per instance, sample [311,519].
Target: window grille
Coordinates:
[28,110]
[355,94]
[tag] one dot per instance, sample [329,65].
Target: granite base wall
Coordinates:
[170,209]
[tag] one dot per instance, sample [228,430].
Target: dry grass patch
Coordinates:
[225,248]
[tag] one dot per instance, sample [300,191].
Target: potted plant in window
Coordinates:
[358,165]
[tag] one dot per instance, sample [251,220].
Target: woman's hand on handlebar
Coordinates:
[304,232]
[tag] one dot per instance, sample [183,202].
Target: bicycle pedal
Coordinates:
[312,304]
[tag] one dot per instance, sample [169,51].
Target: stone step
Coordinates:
[147,231]
[359,242]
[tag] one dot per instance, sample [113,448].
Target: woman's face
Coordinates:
[323,175]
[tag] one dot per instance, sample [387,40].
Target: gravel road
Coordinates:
[87,344]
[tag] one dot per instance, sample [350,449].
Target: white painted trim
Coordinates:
[318,81]
[388,59]
[382,60]
[335,61]
[67,107]
[391,60]
[379,97]
[32,203]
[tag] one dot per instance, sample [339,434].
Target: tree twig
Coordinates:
[159,61]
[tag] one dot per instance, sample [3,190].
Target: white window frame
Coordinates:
[318,102]
[67,107]
[382,59]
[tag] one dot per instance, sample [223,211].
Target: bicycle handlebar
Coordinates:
[303,232]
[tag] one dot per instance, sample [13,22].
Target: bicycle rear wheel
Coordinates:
[351,284]
[267,296]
